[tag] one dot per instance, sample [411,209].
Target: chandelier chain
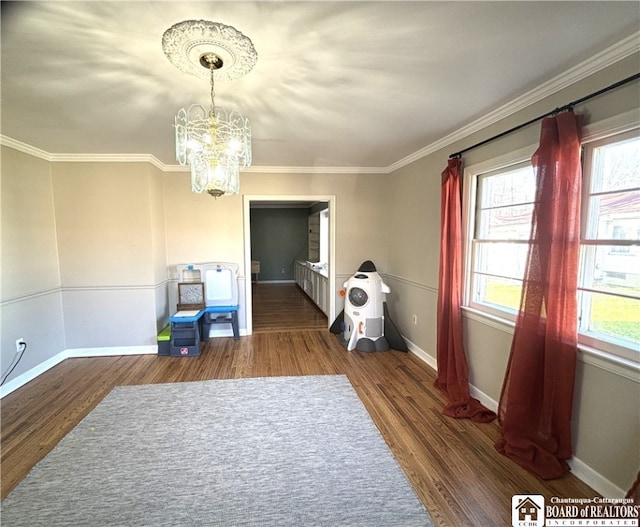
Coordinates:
[212,112]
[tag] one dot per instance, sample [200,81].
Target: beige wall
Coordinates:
[103,216]
[159,247]
[30,254]
[201,228]
[30,277]
[606,416]
[112,251]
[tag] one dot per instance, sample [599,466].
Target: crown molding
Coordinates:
[24,147]
[316,170]
[80,158]
[293,170]
[108,158]
[148,158]
[175,168]
[598,62]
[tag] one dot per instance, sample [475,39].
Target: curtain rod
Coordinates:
[552,112]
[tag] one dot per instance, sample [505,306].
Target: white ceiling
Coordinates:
[337,84]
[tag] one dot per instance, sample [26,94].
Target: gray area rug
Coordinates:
[277,451]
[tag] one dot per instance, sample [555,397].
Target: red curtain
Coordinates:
[537,394]
[453,373]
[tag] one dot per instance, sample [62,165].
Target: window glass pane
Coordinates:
[616,166]
[606,267]
[502,259]
[507,188]
[615,216]
[501,293]
[613,318]
[506,223]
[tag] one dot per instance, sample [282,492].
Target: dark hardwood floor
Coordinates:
[452,464]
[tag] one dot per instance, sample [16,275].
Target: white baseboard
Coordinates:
[112,351]
[421,354]
[34,372]
[31,374]
[487,401]
[217,333]
[578,467]
[432,361]
[594,479]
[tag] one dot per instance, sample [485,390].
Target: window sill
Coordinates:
[600,359]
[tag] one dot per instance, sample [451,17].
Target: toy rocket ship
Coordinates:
[364,323]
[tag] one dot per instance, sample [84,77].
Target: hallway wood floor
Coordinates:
[278,307]
[452,464]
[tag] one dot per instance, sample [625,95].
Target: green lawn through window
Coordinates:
[614,316]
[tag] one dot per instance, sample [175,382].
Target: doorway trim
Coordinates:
[247,200]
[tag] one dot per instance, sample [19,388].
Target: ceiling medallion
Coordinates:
[185,42]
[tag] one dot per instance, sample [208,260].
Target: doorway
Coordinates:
[288,202]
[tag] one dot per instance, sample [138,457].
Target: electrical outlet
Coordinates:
[19,344]
[414,319]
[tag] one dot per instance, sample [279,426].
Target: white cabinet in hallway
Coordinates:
[314,282]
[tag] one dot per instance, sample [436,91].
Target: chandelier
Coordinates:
[214,143]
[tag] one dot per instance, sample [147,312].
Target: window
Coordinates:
[609,288]
[504,204]
[499,208]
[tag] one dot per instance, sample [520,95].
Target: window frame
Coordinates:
[604,351]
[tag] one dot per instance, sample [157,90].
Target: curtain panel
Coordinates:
[537,395]
[453,372]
